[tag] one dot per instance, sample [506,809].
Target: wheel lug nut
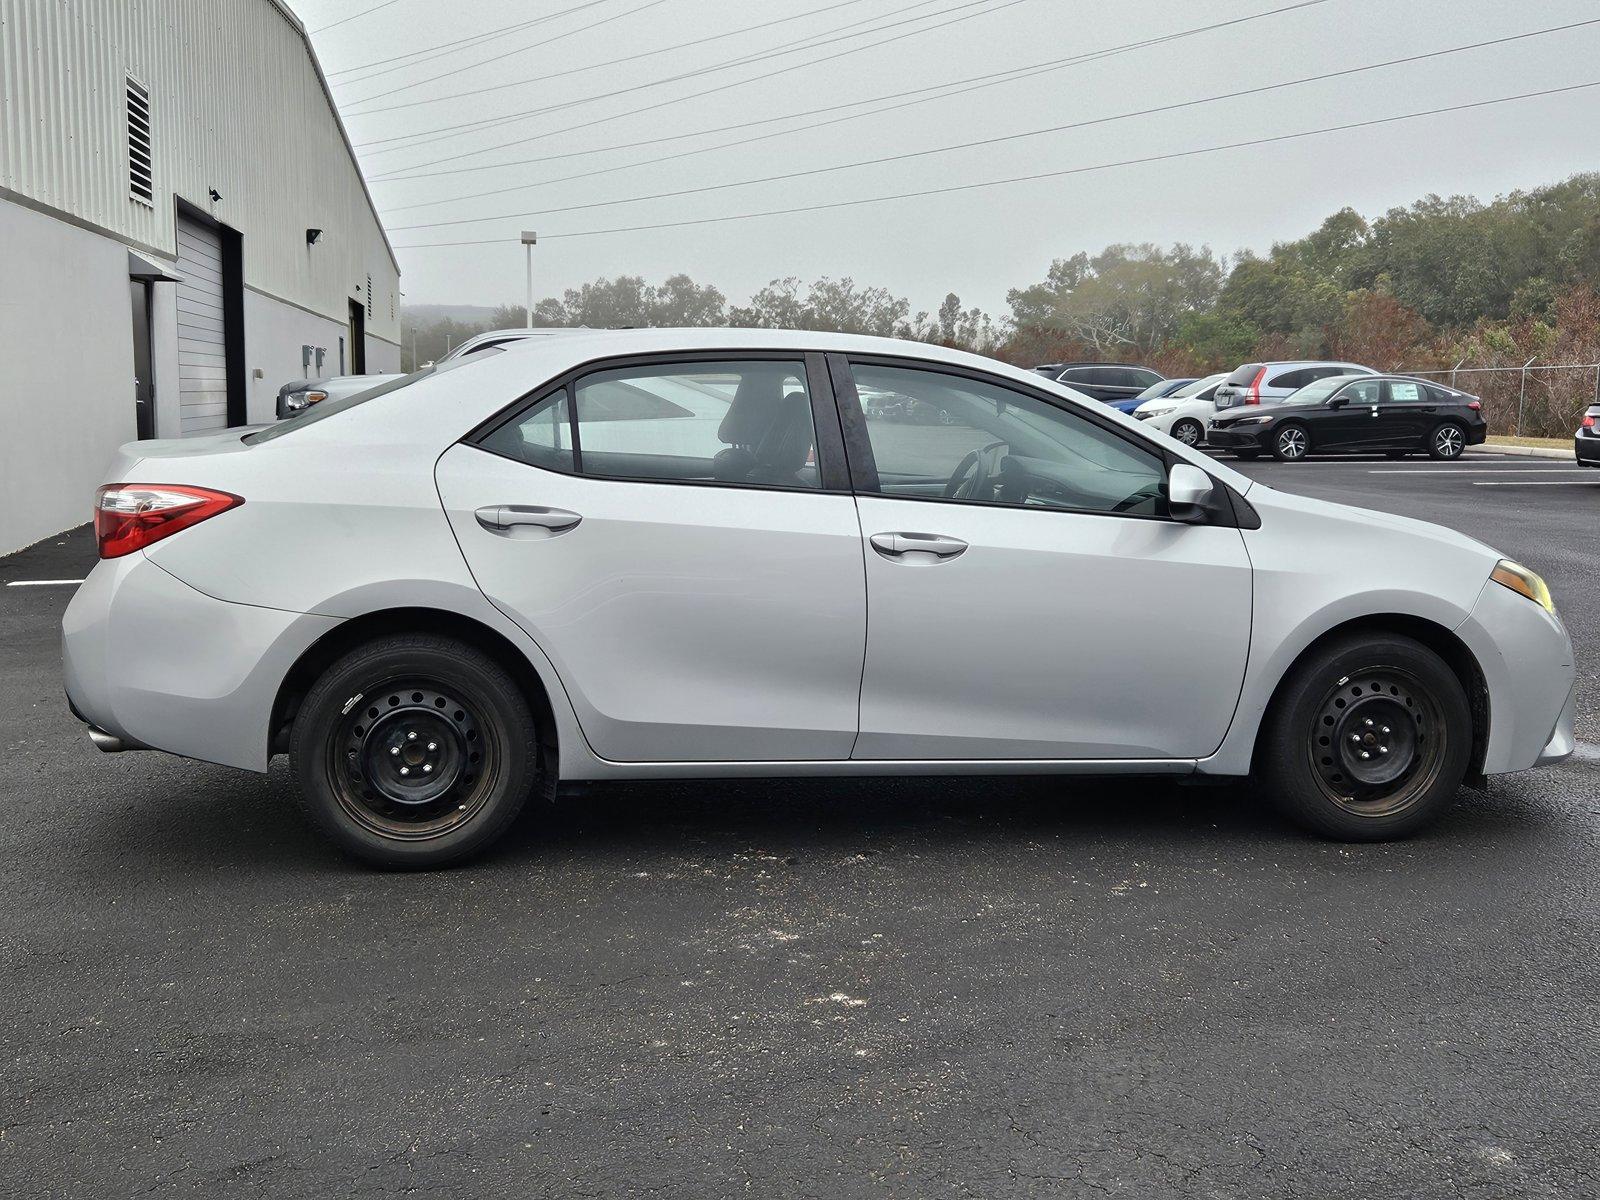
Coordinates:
[435,745]
[1386,729]
[394,749]
[1355,737]
[407,770]
[1383,749]
[1369,722]
[412,736]
[1364,754]
[426,767]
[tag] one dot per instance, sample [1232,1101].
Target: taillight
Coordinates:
[131,516]
[1255,387]
[1588,420]
[1475,405]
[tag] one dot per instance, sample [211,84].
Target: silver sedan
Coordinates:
[669,553]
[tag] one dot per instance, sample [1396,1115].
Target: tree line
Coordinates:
[1440,282]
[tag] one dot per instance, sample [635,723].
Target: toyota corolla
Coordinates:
[696,553]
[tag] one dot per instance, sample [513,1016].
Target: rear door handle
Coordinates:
[896,545]
[505,518]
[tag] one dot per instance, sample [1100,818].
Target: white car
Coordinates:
[689,553]
[1186,414]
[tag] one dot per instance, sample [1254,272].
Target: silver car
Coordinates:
[1267,383]
[692,553]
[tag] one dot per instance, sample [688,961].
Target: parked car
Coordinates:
[1156,391]
[1267,383]
[1586,441]
[303,393]
[1186,414]
[639,555]
[1395,414]
[1110,382]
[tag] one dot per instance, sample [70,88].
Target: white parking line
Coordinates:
[1483,471]
[1536,483]
[44,583]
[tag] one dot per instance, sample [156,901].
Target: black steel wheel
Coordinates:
[1447,441]
[1188,431]
[414,751]
[1368,739]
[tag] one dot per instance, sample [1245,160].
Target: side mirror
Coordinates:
[1338,401]
[1190,494]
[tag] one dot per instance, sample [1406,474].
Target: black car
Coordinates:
[1110,382]
[1586,442]
[1394,414]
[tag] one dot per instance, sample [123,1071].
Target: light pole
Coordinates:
[530,239]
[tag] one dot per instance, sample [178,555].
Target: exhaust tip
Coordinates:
[110,743]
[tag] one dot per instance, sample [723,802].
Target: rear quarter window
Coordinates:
[1243,375]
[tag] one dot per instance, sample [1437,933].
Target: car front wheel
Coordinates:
[1368,739]
[1188,432]
[1448,441]
[1291,443]
[413,751]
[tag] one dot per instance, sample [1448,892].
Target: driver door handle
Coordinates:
[502,518]
[896,545]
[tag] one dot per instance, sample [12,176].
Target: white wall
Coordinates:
[274,332]
[66,371]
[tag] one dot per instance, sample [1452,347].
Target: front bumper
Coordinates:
[152,663]
[1229,437]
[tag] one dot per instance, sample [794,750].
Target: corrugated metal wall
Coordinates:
[235,104]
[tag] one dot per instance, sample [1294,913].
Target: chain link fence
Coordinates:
[1531,400]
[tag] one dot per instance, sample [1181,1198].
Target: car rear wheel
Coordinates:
[413,751]
[1447,441]
[1188,431]
[1291,443]
[1369,739]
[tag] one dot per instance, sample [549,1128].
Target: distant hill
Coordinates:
[427,314]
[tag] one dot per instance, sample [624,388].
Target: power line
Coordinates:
[1009,137]
[353,16]
[443,48]
[1057,174]
[545,78]
[721,87]
[810,42]
[977,82]
[496,58]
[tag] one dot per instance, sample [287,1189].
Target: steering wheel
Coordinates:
[974,472]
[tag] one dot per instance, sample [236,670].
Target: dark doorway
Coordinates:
[144,391]
[358,338]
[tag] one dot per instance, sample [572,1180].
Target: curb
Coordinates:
[1523,451]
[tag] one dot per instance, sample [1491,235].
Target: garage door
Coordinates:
[202,358]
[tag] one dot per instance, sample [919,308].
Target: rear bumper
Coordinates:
[1587,450]
[149,662]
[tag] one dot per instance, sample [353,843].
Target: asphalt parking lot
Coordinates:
[885,987]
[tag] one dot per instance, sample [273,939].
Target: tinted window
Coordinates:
[722,422]
[991,445]
[1139,377]
[1199,387]
[1243,376]
[1363,391]
[541,436]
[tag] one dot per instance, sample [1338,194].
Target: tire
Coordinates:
[1418,744]
[1290,443]
[1188,431]
[1448,441]
[375,727]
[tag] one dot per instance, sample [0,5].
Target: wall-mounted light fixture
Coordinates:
[312,235]
[215,195]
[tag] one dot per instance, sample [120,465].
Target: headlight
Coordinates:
[1524,582]
[1253,421]
[295,401]
[1147,413]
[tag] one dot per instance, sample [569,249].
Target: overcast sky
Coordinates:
[979,242]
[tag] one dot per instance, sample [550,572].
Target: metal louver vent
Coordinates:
[141,175]
[369,297]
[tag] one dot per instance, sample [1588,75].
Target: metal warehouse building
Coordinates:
[183,229]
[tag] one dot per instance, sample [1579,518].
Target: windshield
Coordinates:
[1160,388]
[332,408]
[1318,392]
[1198,386]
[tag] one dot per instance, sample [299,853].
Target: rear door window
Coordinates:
[1407,392]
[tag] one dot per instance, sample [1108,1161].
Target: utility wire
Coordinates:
[976,83]
[546,77]
[430,52]
[989,183]
[809,42]
[416,170]
[352,16]
[992,141]
[496,58]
